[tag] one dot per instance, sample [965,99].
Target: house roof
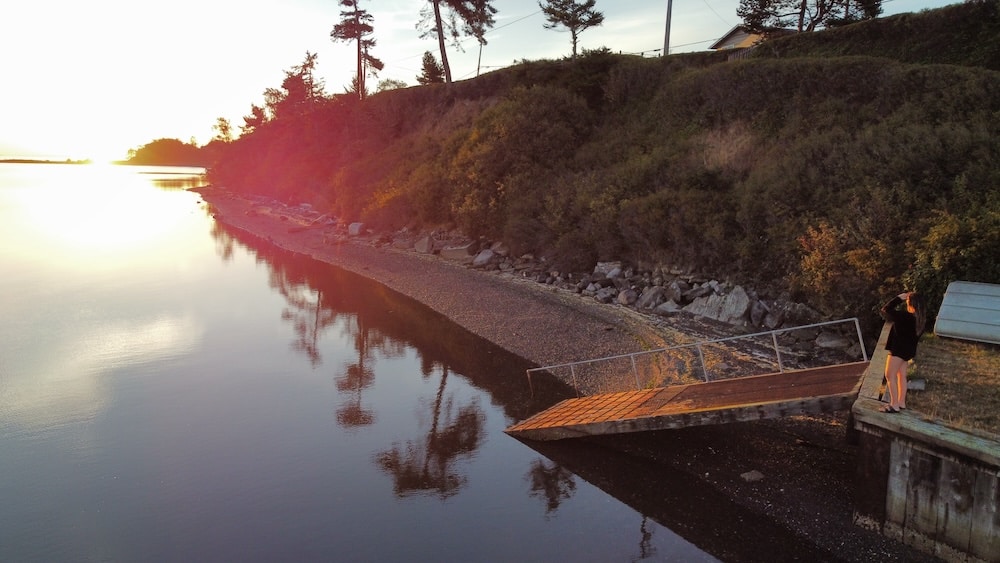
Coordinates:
[739,38]
[735,38]
[970,311]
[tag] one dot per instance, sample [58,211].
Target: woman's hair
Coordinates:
[916,301]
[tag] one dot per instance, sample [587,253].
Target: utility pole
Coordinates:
[666,36]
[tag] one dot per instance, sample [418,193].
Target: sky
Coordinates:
[95,79]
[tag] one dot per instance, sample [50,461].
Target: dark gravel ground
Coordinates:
[801,507]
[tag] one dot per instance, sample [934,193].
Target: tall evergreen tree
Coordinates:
[356,25]
[299,90]
[575,17]
[460,17]
[431,72]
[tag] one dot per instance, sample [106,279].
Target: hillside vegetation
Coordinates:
[837,166]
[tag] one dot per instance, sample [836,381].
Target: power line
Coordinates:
[709,6]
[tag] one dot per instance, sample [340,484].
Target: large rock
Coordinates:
[483,258]
[627,297]
[833,340]
[731,308]
[461,253]
[697,292]
[500,249]
[675,291]
[797,314]
[667,308]
[354,229]
[425,245]
[606,268]
[606,294]
[758,313]
[651,297]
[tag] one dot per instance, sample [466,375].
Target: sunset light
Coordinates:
[91,81]
[499,280]
[113,213]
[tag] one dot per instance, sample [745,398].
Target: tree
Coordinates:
[223,130]
[571,15]
[390,84]
[468,17]
[299,90]
[167,152]
[256,118]
[430,71]
[356,26]
[855,11]
[761,16]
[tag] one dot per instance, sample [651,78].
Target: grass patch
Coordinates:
[962,383]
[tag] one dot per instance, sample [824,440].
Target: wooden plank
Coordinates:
[815,390]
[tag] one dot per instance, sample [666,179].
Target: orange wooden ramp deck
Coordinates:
[807,391]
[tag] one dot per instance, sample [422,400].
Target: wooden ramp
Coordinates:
[808,391]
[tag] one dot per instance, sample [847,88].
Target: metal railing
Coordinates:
[712,359]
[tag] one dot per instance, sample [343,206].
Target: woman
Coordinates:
[907,326]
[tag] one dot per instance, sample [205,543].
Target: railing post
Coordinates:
[572,371]
[635,372]
[777,351]
[701,356]
[861,341]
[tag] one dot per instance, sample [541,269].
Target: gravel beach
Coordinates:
[799,509]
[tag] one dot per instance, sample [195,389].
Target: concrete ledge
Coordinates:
[914,424]
[921,482]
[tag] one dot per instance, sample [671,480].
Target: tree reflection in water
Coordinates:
[553,483]
[224,241]
[357,377]
[428,465]
[315,303]
[646,549]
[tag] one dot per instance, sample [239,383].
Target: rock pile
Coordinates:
[663,292]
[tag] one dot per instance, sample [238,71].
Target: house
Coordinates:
[741,42]
[737,38]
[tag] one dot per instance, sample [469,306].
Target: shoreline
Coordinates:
[808,468]
[499,308]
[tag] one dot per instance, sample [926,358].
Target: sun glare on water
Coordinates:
[102,211]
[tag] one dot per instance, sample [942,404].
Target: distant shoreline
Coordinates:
[43,161]
[188,167]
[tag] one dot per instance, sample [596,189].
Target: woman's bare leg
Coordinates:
[890,379]
[894,380]
[901,384]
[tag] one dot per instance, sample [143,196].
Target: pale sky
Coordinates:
[94,79]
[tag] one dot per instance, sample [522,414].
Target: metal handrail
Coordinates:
[698,347]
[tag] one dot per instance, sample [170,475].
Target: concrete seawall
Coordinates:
[922,483]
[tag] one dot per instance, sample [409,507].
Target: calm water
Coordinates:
[172,391]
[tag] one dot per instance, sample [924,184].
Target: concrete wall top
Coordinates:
[984,448]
